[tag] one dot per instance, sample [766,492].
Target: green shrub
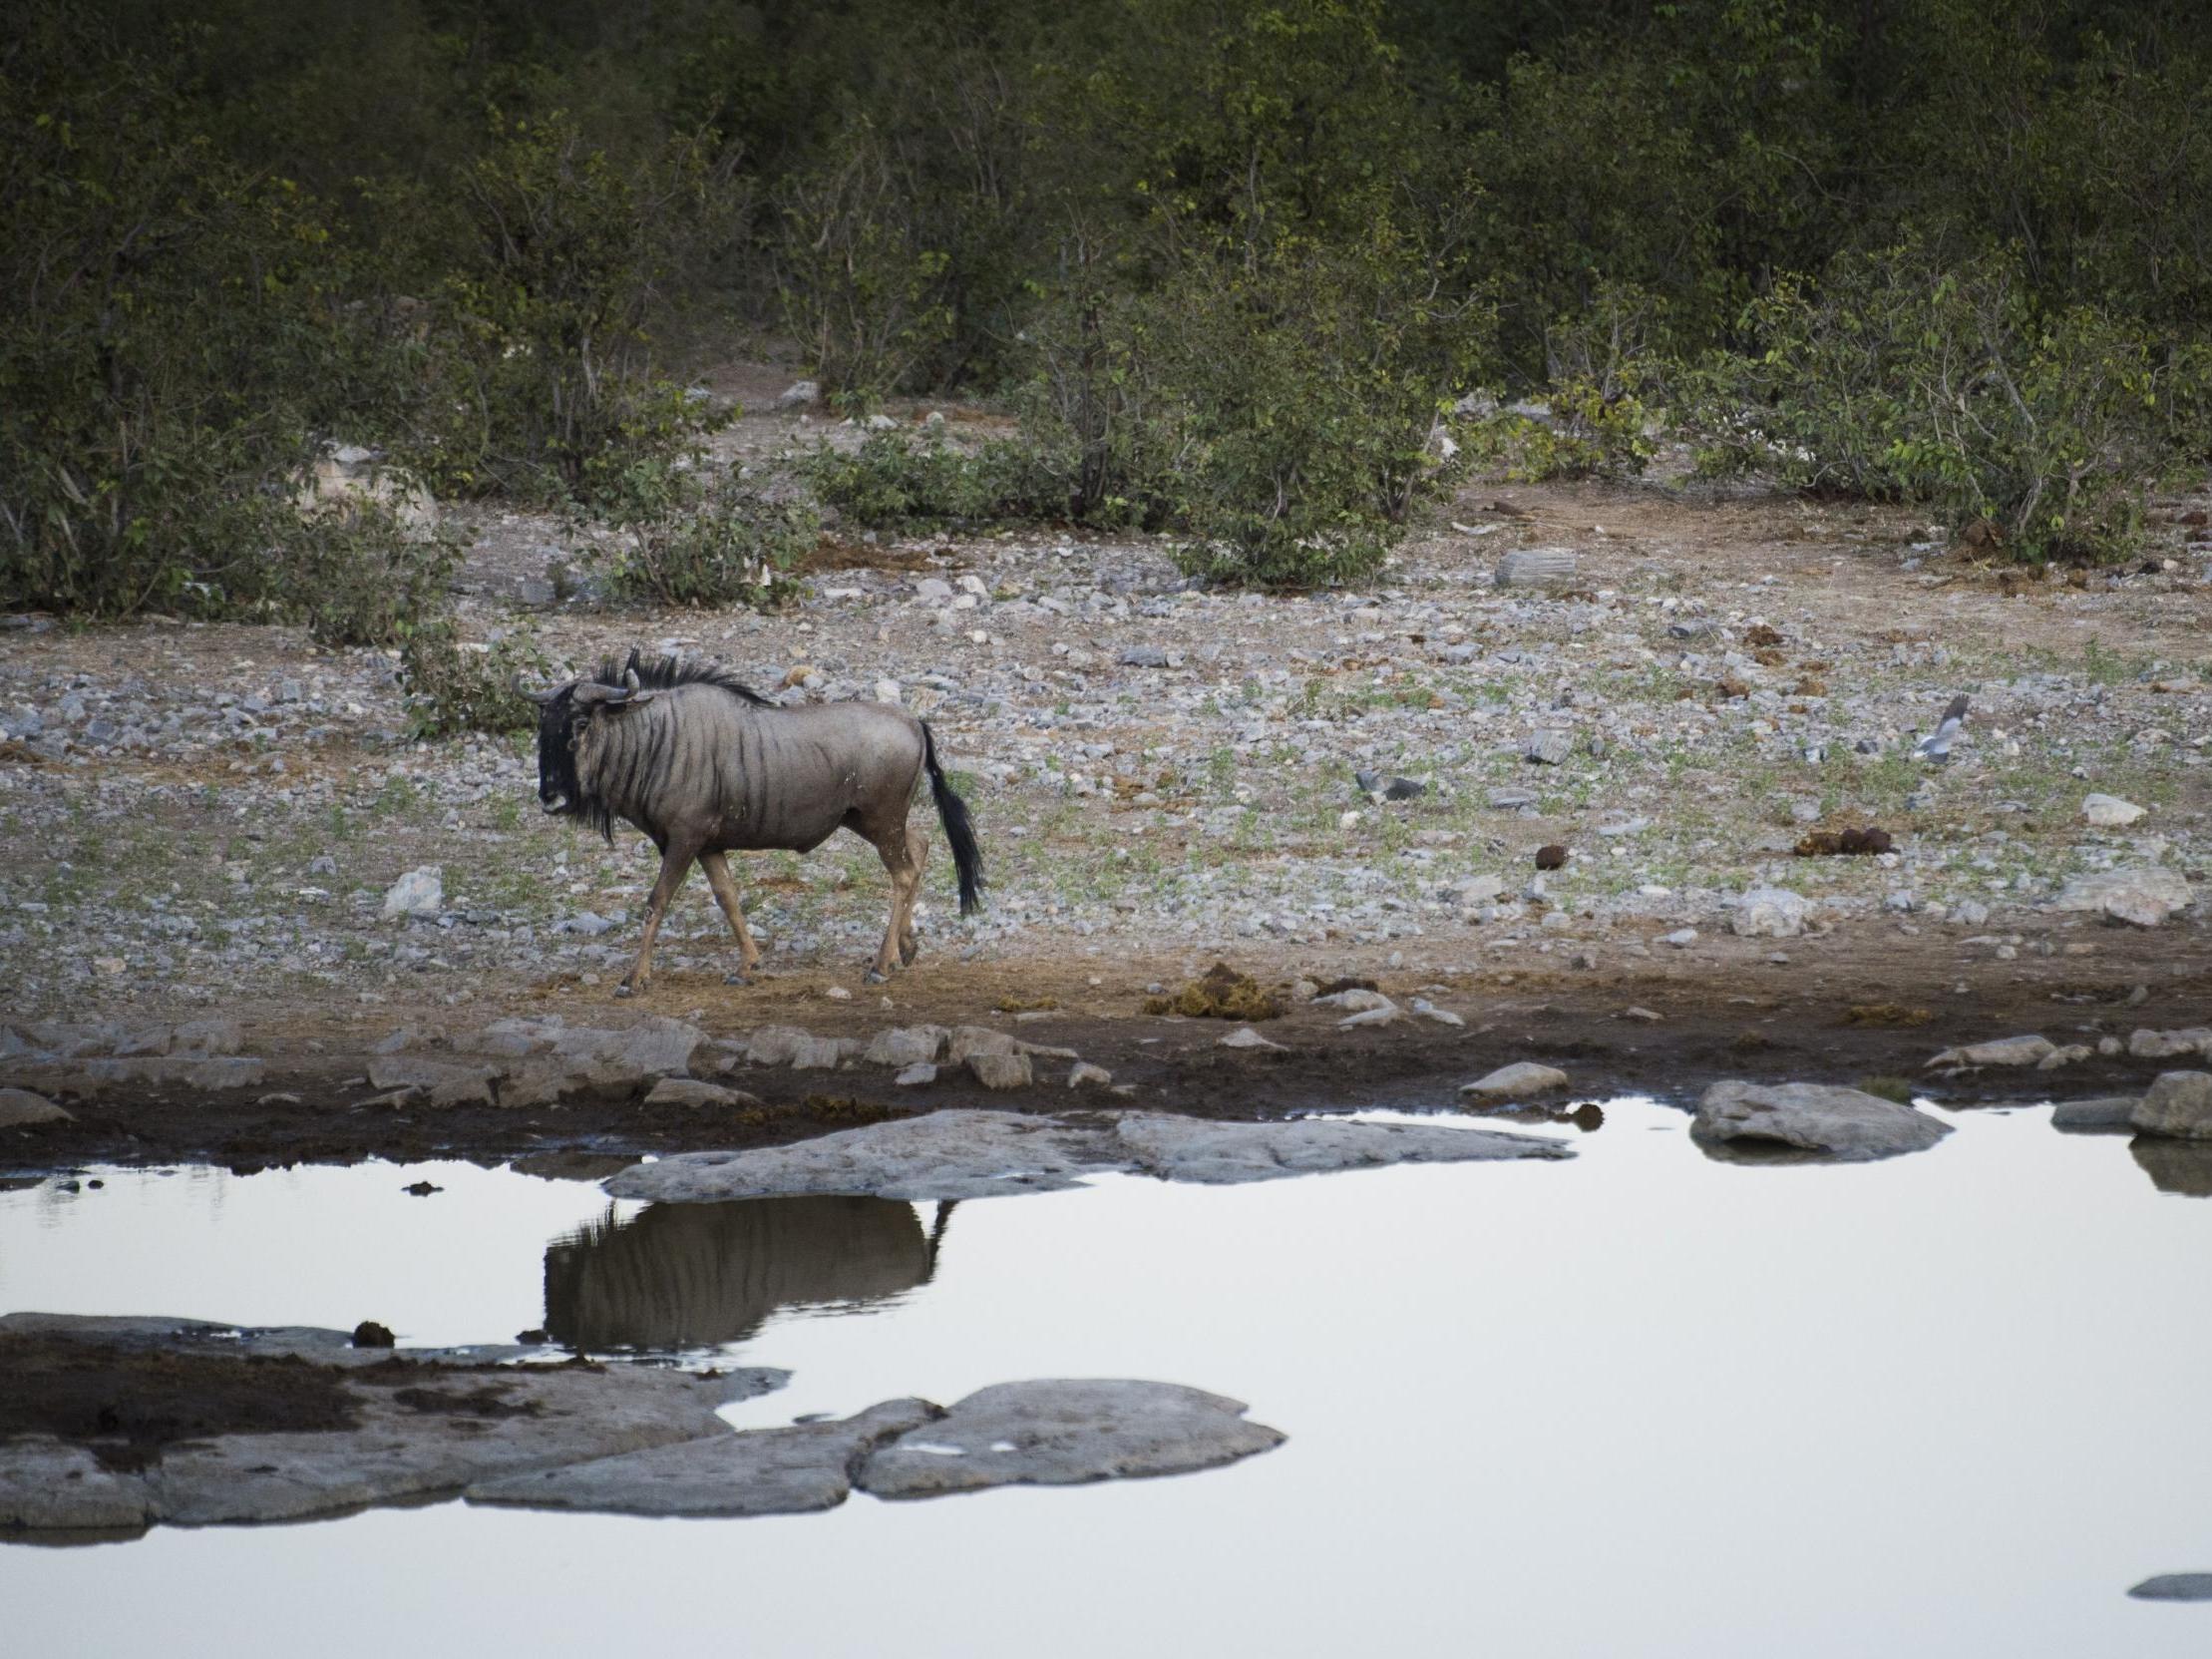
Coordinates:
[689,543]
[1588,435]
[893,481]
[357,577]
[1900,378]
[455,686]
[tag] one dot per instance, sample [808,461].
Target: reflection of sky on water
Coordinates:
[1639,1404]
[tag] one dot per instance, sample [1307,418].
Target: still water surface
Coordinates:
[1636,1405]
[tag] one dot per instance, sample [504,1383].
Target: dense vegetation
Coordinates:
[1231,262]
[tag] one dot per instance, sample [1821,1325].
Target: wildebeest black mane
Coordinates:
[665,673]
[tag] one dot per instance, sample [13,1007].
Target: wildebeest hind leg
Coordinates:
[675,864]
[918,848]
[897,850]
[717,866]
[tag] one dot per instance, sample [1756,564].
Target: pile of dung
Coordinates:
[1221,994]
[1850,843]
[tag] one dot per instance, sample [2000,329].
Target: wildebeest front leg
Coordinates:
[717,866]
[675,864]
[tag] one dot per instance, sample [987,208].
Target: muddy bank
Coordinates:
[414,1081]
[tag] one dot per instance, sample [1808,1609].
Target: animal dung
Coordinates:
[1536,567]
[1220,993]
[1850,843]
[1548,747]
[1552,857]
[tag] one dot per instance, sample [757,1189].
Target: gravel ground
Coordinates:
[212,816]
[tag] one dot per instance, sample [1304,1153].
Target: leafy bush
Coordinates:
[893,481]
[1900,378]
[1586,435]
[360,578]
[687,542]
[454,685]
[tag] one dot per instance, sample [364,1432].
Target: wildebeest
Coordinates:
[706,766]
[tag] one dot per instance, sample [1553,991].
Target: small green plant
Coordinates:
[894,482]
[360,578]
[454,686]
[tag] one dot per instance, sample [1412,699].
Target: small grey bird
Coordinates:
[1937,746]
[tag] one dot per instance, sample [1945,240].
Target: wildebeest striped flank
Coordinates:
[706,766]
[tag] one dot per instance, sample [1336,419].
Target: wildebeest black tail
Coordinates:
[967,858]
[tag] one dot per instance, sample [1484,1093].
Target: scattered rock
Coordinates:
[2006,1051]
[2107,1111]
[2144,895]
[418,893]
[1548,747]
[906,1046]
[2109,811]
[801,1051]
[1820,1118]
[1062,1433]
[1087,1075]
[1516,1081]
[798,394]
[437,1083]
[2150,1045]
[1768,913]
[2177,1105]
[1536,567]
[686,1091]
[20,1108]
[917,1077]
[1001,1071]
[1244,1036]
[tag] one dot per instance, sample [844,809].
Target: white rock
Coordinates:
[2004,1050]
[420,891]
[1244,1036]
[1087,1075]
[2110,813]
[1521,1079]
[1769,913]
[2144,895]
[1821,1118]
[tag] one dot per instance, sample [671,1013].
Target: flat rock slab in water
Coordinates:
[980,1154]
[754,1471]
[1065,1433]
[2175,1586]
[1810,1120]
[325,1428]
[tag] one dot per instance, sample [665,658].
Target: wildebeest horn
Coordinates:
[540,697]
[629,679]
[591,692]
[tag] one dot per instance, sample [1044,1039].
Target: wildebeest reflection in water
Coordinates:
[697,1275]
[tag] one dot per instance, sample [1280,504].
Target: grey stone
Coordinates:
[2174,1587]
[100,1077]
[2109,811]
[686,1091]
[418,893]
[146,1040]
[2105,1112]
[2177,1103]
[2004,1051]
[905,1045]
[397,1451]
[208,1037]
[1086,1076]
[1548,747]
[657,1047]
[1142,656]
[20,1108]
[754,1471]
[797,394]
[917,1077]
[2144,895]
[439,1082]
[2150,1044]
[1820,1118]
[1536,567]
[1768,913]
[1062,1433]
[1244,1036]
[978,1154]
[1516,1081]
[977,1039]
[1001,1071]
[1177,1149]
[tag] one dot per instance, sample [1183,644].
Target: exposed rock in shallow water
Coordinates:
[2004,1051]
[420,1423]
[1513,1083]
[1820,1119]
[1053,1434]
[2107,1111]
[978,1154]
[2175,1586]
[754,1471]
[2177,1103]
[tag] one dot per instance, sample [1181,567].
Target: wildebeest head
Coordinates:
[562,714]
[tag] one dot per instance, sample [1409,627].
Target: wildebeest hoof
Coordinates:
[738,977]
[625,989]
[876,976]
